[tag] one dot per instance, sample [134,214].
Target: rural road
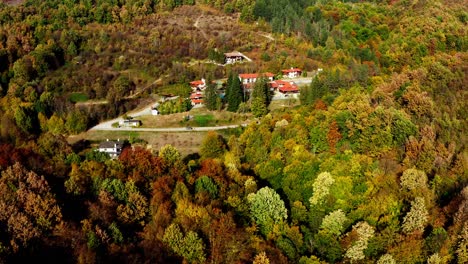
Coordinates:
[107,125]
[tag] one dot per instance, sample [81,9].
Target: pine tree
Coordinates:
[260,97]
[211,96]
[235,95]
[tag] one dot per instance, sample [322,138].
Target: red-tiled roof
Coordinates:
[197,101]
[291,70]
[289,88]
[255,75]
[196,83]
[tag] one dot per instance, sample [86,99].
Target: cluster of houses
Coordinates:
[249,79]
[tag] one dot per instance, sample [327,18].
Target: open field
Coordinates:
[186,142]
[200,117]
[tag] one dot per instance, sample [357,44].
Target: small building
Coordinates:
[113,148]
[246,78]
[130,123]
[154,111]
[284,87]
[196,98]
[198,85]
[233,57]
[292,73]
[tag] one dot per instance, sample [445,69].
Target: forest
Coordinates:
[370,167]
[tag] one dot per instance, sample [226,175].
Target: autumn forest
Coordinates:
[368,165]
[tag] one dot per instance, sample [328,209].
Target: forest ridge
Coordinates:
[370,167]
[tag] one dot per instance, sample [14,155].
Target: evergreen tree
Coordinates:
[211,96]
[235,95]
[261,97]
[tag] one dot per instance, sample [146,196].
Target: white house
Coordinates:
[198,85]
[233,57]
[246,78]
[292,73]
[113,148]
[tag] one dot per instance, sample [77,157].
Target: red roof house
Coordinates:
[292,73]
[198,85]
[252,77]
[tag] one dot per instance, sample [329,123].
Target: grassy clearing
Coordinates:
[185,142]
[199,117]
[279,105]
[78,97]
[204,120]
[182,90]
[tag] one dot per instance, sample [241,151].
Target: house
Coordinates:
[233,57]
[130,123]
[196,98]
[154,111]
[292,73]
[247,78]
[284,87]
[198,85]
[113,148]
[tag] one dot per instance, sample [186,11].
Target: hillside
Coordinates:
[370,167]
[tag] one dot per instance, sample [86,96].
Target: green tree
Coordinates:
[169,154]
[235,94]
[76,122]
[213,146]
[190,247]
[334,222]
[211,96]
[258,107]
[261,97]
[267,209]
[206,184]
[26,119]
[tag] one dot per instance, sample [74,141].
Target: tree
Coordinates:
[27,207]
[333,136]
[364,232]
[260,97]
[386,259]
[211,96]
[334,221]
[235,94]
[213,146]
[258,107]
[416,218]
[321,186]
[169,155]
[76,122]
[23,70]
[267,209]
[261,258]
[26,119]
[190,247]
[462,249]
[413,180]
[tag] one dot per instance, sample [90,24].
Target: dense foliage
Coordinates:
[371,168]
